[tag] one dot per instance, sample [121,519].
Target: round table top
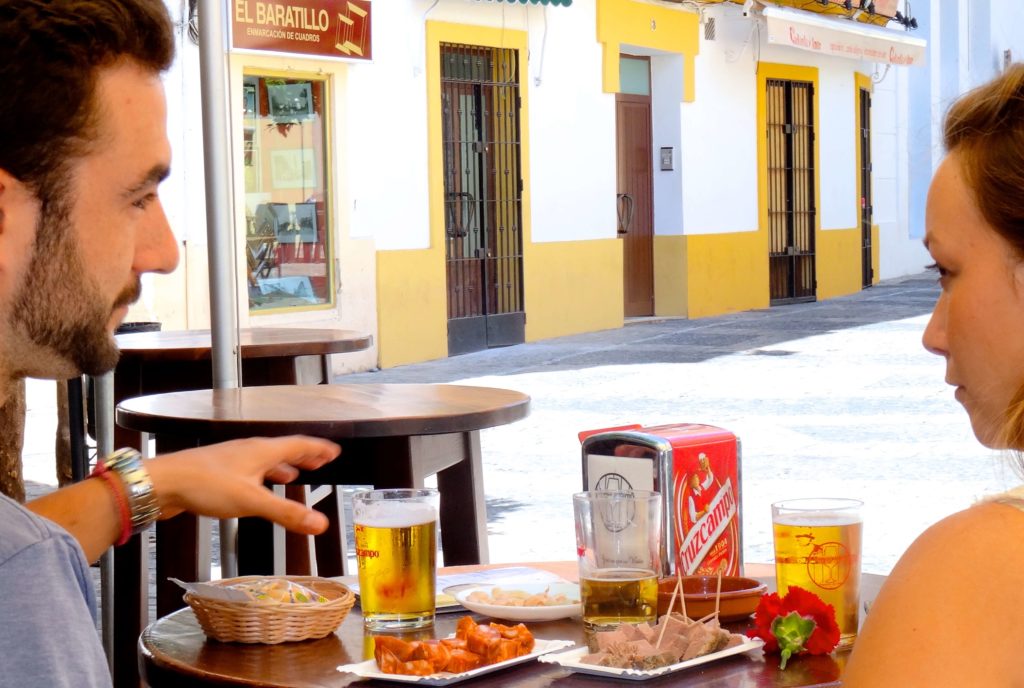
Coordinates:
[263,342]
[174,652]
[336,411]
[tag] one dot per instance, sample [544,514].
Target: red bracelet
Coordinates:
[112,481]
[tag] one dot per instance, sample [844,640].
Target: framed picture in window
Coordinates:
[293,168]
[290,101]
[249,100]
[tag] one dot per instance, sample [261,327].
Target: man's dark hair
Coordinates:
[50,51]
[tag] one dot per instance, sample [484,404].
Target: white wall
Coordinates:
[386,138]
[571,128]
[837,145]
[666,113]
[719,129]
[1007,18]
[169,299]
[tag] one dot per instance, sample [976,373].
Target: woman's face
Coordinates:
[978,321]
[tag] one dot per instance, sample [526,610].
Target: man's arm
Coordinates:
[222,480]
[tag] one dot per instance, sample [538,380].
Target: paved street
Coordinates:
[833,398]
[836,398]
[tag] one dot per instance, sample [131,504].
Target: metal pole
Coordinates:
[225,354]
[104,386]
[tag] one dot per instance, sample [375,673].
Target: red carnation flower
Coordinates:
[768,609]
[798,622]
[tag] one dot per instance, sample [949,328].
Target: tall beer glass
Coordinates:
[618,540]
[818,548]
[396,551]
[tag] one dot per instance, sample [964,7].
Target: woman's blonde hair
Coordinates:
[985,129]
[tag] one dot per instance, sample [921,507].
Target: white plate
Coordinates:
[368,669]
[570,660]
[509,613]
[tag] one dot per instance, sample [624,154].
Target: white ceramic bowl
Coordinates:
[537,613]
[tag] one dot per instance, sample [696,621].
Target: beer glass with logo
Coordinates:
[818,548]
[618,541]
[396,552]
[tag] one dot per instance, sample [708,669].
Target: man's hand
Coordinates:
[226,480]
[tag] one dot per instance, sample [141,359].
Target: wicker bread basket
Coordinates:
[255,622]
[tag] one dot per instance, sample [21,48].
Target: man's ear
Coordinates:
[10,191]
[19,209]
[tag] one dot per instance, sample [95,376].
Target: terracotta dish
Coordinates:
[739,596]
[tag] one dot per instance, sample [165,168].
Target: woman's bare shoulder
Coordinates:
[964,572]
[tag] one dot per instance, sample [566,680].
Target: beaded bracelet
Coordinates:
[136,502]
[101,471]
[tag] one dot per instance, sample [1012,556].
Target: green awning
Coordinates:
[563,3]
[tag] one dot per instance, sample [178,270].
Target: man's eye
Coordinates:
[143,202]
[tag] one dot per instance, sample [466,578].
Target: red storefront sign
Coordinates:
[320,28]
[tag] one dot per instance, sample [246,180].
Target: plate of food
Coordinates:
[638,652]
[522,601]
[473,650]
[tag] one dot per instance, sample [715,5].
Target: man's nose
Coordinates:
[156,248]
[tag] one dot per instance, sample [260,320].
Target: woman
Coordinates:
[952,612]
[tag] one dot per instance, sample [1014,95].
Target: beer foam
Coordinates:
[818,520]
[393,514]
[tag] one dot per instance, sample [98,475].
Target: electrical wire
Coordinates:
[543,48]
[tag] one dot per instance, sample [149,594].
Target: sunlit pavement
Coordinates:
[835,398]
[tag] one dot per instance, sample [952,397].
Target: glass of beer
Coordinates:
[818,548]
[396,552]
[618,541]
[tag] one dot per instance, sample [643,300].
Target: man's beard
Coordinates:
[60,308]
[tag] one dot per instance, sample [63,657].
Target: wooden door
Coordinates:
[634,201]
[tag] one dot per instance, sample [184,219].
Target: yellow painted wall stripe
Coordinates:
[628,22]
[572,287]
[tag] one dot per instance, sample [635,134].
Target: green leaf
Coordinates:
[792,631]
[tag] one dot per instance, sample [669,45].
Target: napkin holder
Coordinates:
[696,468]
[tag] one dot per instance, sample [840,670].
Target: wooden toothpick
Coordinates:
[671,603]
[718,591]
[682,595]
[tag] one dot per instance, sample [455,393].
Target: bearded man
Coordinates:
[83,149]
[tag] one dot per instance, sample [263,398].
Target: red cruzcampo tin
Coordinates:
[696,468]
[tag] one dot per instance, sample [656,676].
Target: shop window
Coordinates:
[288,246]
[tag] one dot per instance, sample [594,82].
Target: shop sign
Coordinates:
[842,38]
[316,28]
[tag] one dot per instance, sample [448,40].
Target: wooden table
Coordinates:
[392,435]
[169,361]
[174,361]
[175,653]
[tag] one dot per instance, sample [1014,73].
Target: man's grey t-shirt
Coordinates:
[48,636]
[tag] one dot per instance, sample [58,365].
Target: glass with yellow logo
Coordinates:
[818,548]
[396,552]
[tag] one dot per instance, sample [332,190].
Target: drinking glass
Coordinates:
[818,548]
[396,552]
[618,541]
